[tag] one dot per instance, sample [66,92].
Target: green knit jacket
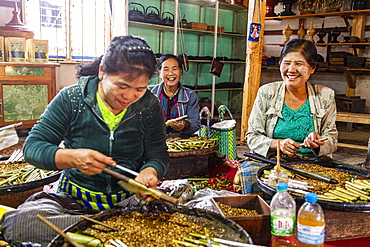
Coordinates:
[73,116]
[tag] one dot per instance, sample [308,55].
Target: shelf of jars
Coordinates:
[353,45]
[320,15]
[329,69]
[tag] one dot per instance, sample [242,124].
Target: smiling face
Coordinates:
[119,93]
[171,73]
[295,70]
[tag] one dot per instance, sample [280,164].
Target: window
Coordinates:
[75,29]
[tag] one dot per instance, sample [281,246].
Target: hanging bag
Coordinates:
[225,132]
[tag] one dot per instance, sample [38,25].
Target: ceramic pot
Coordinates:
[321,33]
[270,7]
[335,33]
[287,7]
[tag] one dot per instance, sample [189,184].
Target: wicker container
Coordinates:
[258,226]
[197,26]
[189,163]
[212,28]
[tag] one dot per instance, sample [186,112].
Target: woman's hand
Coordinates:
[287,146]
[313,140]
[178,125]
[87,161]
[148,177]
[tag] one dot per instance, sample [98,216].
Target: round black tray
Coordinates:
[58,241]
[16,188]
[340,206]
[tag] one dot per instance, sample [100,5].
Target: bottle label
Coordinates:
[311,234]
[282,226]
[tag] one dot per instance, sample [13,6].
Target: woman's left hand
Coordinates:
[178,125]
[148,177]
[313,141]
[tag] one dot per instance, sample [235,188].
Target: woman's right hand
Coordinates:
[287,146]
[87,161]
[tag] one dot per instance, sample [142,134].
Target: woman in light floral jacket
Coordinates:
[301,114]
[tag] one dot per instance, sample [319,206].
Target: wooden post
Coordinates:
[358,30]
[253,68]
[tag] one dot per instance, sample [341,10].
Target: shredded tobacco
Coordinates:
[158,229]
[230,211]
[321,187]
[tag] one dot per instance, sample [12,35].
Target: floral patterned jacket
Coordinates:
[268,107]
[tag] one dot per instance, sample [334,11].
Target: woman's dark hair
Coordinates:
[305,47]
[128,54]
[87,69]
[168,56]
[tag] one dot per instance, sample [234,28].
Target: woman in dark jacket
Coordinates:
[176,100]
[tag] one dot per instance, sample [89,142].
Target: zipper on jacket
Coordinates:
[111,138]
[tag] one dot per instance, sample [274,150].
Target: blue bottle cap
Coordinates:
[281,187]
[311,197]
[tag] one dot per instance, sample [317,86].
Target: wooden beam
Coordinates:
[358,30]
[347,145]
[351,80]
[253,68]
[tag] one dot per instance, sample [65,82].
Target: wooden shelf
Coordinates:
[165,28]
[329,69]
[320,15]
[332,44]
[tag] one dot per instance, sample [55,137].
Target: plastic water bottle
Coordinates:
[283,218]
[311,223]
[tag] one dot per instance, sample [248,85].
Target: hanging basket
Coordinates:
[226,136]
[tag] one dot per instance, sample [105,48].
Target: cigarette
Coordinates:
[320,140]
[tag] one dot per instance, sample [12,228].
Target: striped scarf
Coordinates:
[90,199]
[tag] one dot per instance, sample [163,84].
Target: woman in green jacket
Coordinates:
[105,119]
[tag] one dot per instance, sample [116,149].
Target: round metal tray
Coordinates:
[230,225]
[341,206]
